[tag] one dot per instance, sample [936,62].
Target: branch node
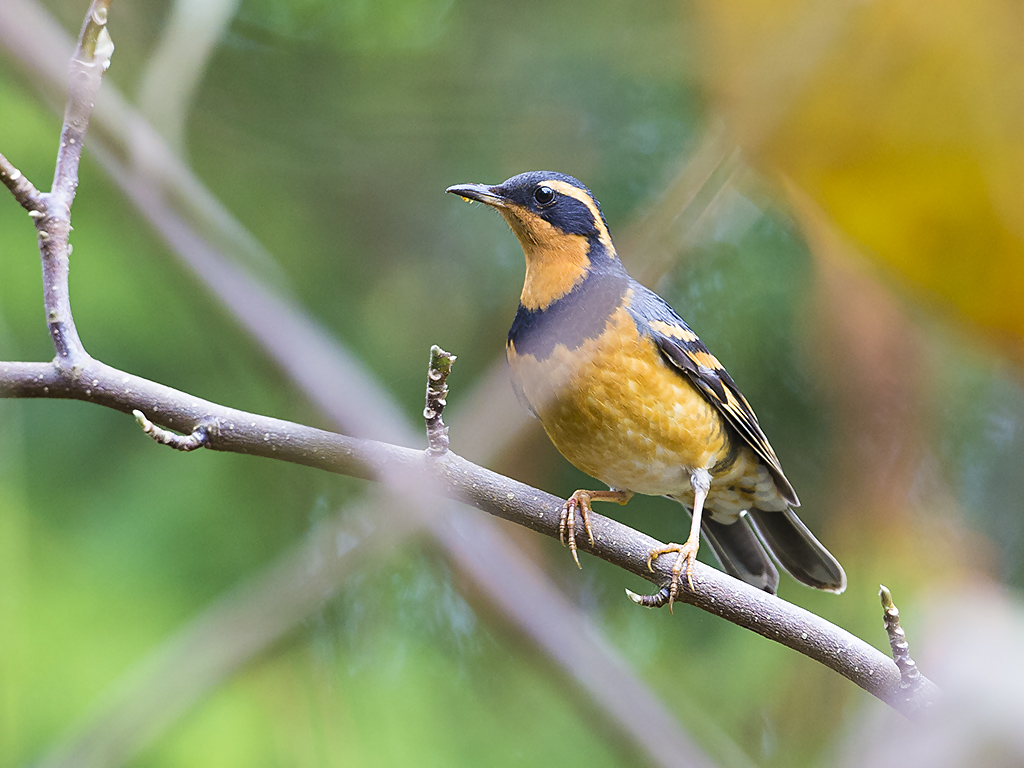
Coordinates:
[200,435]
[910,675]
[437,391]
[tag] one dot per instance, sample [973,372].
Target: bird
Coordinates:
[631,396]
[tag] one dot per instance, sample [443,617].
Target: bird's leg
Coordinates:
[581,501]
[700,479]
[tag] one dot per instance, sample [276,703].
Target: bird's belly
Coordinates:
[616,410]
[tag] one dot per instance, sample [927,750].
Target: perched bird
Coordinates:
[631,396]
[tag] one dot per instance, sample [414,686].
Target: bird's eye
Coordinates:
[544,195]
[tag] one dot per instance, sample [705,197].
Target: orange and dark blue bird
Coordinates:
[629,394]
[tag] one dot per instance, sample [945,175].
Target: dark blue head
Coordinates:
[558,223]
[555,198]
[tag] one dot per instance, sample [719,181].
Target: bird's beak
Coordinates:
[479,192]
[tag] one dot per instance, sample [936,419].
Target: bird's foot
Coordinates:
[686,555]
[581,501]
[567,524]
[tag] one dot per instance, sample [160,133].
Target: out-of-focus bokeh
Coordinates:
[829,193]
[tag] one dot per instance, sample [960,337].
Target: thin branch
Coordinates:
[24,191]
[199,436]
[910,676]
[90,60]
[437,390]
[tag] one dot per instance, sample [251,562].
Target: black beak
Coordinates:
[479,192]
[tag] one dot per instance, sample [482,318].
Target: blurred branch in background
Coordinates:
[237,628]
[176,66]
[40,47]
[667,225]
[874,358]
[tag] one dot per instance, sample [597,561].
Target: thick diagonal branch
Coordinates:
[240,432]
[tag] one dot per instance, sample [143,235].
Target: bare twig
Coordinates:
[89,62]
[24,191]
[437,391]
[910,676]
[185,443]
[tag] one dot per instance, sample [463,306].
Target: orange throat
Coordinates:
[555,262]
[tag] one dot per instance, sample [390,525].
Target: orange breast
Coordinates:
[617,411]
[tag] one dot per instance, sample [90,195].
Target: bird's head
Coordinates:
[558,223]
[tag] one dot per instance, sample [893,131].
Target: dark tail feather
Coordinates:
[797,551]
[741,554]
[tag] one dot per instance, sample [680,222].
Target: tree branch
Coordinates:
[437,390]
[910,675]
[24,191]
[199,437]
[89,62]
[51,212]
[237,431]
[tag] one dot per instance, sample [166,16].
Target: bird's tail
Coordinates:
[794,547]
[741,553]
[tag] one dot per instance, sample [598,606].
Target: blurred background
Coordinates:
[830,193]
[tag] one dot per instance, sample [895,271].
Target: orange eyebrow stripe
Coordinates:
[575,192]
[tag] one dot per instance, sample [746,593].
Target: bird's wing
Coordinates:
[681,347]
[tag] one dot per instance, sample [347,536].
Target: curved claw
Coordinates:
[656,600]
[581,500]
[567,524]
[687,554]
